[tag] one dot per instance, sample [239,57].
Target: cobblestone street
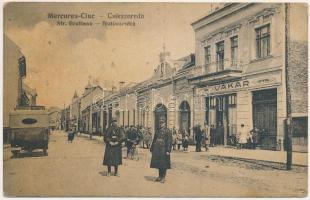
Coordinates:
[75,169]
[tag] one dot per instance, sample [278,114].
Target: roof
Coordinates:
[53,109]
[189,61]
[212,13]
[75,95]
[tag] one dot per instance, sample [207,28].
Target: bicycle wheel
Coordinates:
[136,155]
[131,154]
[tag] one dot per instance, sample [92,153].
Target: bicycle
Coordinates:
[133,153]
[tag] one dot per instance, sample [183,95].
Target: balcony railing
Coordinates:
[217,67]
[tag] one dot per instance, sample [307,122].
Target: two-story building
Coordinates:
[90,119]
[240,57]
[54,115]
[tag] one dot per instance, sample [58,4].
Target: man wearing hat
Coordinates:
[113,139]
[161,148]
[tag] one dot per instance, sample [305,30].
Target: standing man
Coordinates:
[206,136]
[174,138]
[113,139]
[161,148]
[212,135]
[198,137]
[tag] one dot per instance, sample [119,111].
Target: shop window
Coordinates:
[232,100]
[213,102]
[263,41]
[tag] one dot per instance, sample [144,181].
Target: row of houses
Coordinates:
[249,67]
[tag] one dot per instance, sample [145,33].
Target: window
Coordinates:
[232,100]
[234,51]
[220,56]
[207,55]
[220,103]
[263,41]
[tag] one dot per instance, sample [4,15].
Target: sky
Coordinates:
[61,59]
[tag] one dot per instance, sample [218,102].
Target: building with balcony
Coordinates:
[241,62]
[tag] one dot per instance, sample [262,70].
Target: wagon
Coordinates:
[29,129]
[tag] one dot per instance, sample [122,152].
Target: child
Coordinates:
[185,143]
[243,137]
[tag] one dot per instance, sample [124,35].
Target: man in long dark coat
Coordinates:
[161,148]
[113,139]
[198,137]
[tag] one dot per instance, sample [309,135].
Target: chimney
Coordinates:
[121,85]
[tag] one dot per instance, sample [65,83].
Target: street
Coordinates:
[75,169]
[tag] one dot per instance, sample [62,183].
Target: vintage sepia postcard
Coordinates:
[155,99]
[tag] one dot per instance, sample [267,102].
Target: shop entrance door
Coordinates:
[220,117]
[185,117]
[265,117]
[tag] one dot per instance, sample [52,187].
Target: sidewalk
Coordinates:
[257,154]
[94,137]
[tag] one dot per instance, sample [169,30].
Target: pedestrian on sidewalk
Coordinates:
[161,149]
[212,135]
[254,134]
[243,137]
[198,137]
[174,138]
[113,139]
[185,143]
[206,136]
[70,135]
[179,139]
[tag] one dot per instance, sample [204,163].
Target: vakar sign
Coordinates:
[243,84]
[234,85]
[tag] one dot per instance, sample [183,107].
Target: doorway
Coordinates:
[185,116]
[265,117]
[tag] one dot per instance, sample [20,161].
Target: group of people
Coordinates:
[249,139]
[135,135]
[162,144]
[180,138]
[160,148]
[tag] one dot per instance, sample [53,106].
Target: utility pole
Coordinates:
[288,92]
